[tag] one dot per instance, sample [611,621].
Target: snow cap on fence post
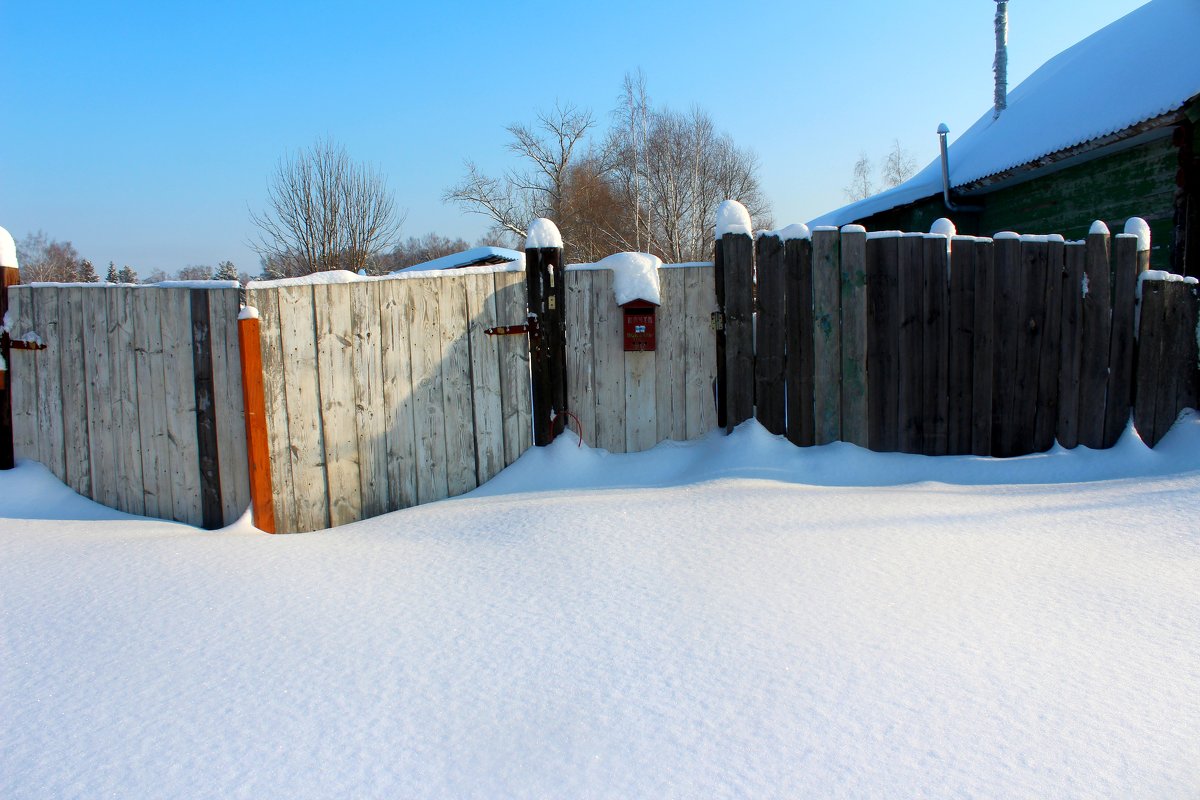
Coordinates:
[732,217]
[1141,229]
[542,234]
[8,250]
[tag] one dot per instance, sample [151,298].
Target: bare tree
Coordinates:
[418,250]
[683,173]
[324,212]
[196,272]
[546,151]
[861,185]
[46,259]
[898,165]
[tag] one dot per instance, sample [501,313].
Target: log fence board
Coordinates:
[306,448]
[395,310]
[960,346]
[212,513]
[51,425]
[456,386]
[485,377]
[797,265]
[370,410]
[123,382]
[101,422]
[74,393]
[827,337]
[641,432]
[231,420]
[854,337]
[581,378]
[609,355]
[983,350]
[1030,322]
[152,404]
[1071,353]
[1007,319]
[1149,378]
[1050,358]
[335,402]
[738,256]
[701,352]
[1095,341]
[911,327]
[1178,366]
[934,346]
[22,371]
[512,307]
[670,357]
[178,371]
[1120,366]
[883,343]
[428,410]
[770,386]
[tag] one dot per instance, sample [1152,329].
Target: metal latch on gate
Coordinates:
[530,327]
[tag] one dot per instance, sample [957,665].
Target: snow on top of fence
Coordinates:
[203,284]
[635,275]
[732,217]
[543,233]
[943,226]
[1141,229]
[1098,227]
[345,276]
[8,250]
[248,312]
[853,229]
[787,233]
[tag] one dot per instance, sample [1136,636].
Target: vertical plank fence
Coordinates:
[136,401]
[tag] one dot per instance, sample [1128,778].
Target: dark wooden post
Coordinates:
[1120,366]
[797,254]
[1095,335]
[548,343]
[258,453]
[10,275]
[771,407]
[738,262]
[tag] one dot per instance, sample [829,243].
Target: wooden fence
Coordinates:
[383,394]
[136,402]
[631,401]
[912,343]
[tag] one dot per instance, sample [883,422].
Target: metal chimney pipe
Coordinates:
[942,132]
[1000,65]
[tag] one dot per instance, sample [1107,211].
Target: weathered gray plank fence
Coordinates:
[136,402]
[631,401]
[382,394]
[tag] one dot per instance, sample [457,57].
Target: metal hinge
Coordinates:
[717,321]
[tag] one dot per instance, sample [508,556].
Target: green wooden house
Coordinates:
[1108,129]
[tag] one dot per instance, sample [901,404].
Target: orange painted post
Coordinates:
[258,455]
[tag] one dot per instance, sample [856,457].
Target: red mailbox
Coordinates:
[639,325]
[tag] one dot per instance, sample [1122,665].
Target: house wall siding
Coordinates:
[1137,182]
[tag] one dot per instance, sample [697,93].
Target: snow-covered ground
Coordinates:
[729,618]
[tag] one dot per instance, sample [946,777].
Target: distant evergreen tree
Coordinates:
[226,271]
[112,276]
[128,274]
[87,272]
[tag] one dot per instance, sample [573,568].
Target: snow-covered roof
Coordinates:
[474,257]
[1140,67]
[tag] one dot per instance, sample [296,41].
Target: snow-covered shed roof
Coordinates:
[476,256]
[1140,67]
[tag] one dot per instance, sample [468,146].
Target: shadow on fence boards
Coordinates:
[923,344]
[362,396]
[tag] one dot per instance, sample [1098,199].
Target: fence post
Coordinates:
[736,259]
[827,335]
[1096,333]
[771,333]
[258,453]
[10,275]
[1120,372]
[548,348]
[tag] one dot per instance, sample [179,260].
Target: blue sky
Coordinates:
[145,132]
